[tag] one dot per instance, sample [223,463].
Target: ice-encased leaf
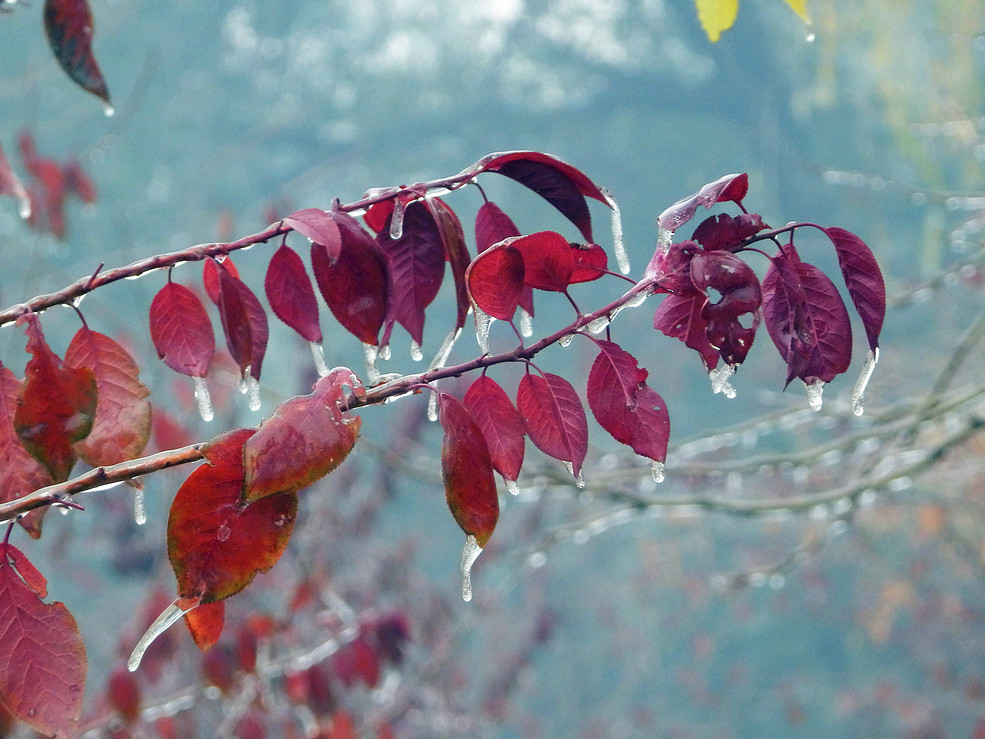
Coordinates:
[624,405]
[181,330]
[43,660]
[216,544]
[69,26]
[456,252]
[731,187]
[495,280]
[306,438]
[501,424]
[290,294]
[320,228]
[555,418]
[467,471]
[548,260]
[864,280]
[123,414]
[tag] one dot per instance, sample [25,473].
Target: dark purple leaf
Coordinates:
[68,24]
[680,316]
[724,231]
[731,187]
[863,279]
[738,288]
[319,227]
[244,322]
[456,252]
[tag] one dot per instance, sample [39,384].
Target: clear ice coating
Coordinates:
[318,354]
[526,324]
[433,407]
[482,323]
[372,353]
[720,377]
[664,238]
[565,340]
[618,246]
[598,325]
[469,555]
[814,391]
[108,110]
[161,624]
[139,511]
[203,399]
[397,219]
[250,386]
[416,353]
[858,392]
[657,471]
[441,358]
[512,487]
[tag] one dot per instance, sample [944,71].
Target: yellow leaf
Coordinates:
[718,15]
[800,8]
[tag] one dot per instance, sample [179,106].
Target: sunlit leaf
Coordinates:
[716,16]
[69,26]
[590,260]
[800,8]
[205,623]
[181,330]
[555,417]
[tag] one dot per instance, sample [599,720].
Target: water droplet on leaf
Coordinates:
[223,532]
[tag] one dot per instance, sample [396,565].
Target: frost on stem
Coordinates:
[318,354]
[161,624]
[858,392]
[622,259]
[482,323]
[469,555]
[814,391]
[203,399]
[720,377]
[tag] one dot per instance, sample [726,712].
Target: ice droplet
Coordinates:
[24,211]
[814,391]
[512,487]
[720,380]
[109,110]
[139,511]
[371,353]
[482,323]
[579,478]
[469,555]
[318,354]
[203,399]
[637,300]
[566,340]
[442,356]
[657,471]
[433,408]
[161,624]
[526,324]
[397,219]
[385,352]
[77,301]
[809,37]
[415,351]
[250,387]
[223,532]
[598,325]
[618,247]
[858,392]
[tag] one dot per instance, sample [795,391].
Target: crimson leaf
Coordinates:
[181,330]
[680,316]
[495,280]
[20,473]
[501,424]
[319,227]
[724,231]
[548,261]
[492,225]
[244,322]
[555,418]
[290,293]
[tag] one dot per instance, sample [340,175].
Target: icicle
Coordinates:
[814,391]
[512,487]
[442,356]
[250,387]
[469,555]
[858,401]
[371,353]
[579,478]
[657,471]
[566,340]
[161,624]
[139,512]
[664,237]
[598,325]
[24,211]
[618,247]
[415,351]
[385,352]
[77,301]
[397,219]
[482,323]
[526,324]
[637,300]
[720,380]
[318,354]
[203,399]
[433,408]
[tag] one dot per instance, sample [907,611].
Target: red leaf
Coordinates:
[492,225]
[724,231]
[356,661]
[806,319]
[456,252]
[68,24]
[590,262]
[467,470]
[495,280]
[244,322]
[417,265]
[290,293]
[559,183]
[356,286]
[377,216]
[20,473]
[319,227]
[215,544]
[548,261]
[205,623]
[56,407]
[555,418]
[42,658]
[501,424]
[210,275]
[123,691]
[738,288]
[78,183]
[123,413]
[731,187]
[625,406]
[863,278]
[10,185]
[181,330]
[680,316]
[306,438]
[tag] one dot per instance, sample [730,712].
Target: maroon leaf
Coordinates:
[555,418]
[181,330]
[456,252]
[673,266]
[320,228]
[680,316]
[210,275]
[10,185]
[43,661]
[495,280]
[492,225]
[548,260]
[625,406]
[417,264]
[738,287]
[68,24]
[501,424]
[356,286]
[863,278]
[467,470]
[806,319]
[724,231]
[590,262]
[56,407]
[123,692]
[290,293]
[731,187]
[244,322]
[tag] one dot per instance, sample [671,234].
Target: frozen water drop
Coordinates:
[161,624]
[371,353]
[415,351]
[809,37]
[203,399]
[580,480]
[469,555]
[482,323]
[858,392]
[109,110]
[24,211]
[251,387]
[566,340]
[618,247]
[526,324]
[512,487]
[385,352]
[318,354]
[397,219]
[720,377]
[223,532]
[598,325]
[814,391]
[139,511]
[433,408]
[77,301]
[657,471]
[637,300]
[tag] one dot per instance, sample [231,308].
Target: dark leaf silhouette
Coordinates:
[56,407]
[724,231]
[69,26]
[501,424]
[216,544]
[290,293]
[456,252]
[864,281]
[78,182]
[555,417]
[731,187]
[548,260]
[181,330]
[496,281]
[625,406]
[319,227]
[738,288]
[43,661]
[467,470]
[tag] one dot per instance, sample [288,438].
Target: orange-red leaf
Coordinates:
[216,544]
[123,413]
[205,623]
[42,658]
[56,407]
